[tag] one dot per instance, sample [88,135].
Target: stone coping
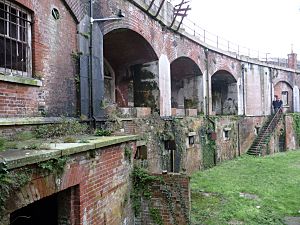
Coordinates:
[19,158]
[21,80]
[11,121]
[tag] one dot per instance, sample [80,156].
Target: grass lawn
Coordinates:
[248,190]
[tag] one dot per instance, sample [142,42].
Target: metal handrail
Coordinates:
[216,41]
[279,112]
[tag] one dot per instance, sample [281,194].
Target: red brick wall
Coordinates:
[53,42]
[17,100]
[173,209]
[99,182]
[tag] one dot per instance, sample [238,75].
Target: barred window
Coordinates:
[15,40]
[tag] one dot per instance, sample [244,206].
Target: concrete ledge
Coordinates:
[12,121]
[19,158]
[21,80]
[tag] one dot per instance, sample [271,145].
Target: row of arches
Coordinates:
[134,76]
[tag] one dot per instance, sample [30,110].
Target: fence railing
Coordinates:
[210,39]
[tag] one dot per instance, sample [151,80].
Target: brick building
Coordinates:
[191,104]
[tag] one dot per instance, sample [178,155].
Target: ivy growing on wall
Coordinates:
[55,166]
[9,182]
[141,181]
[296,125]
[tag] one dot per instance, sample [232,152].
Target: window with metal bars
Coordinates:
[15,40]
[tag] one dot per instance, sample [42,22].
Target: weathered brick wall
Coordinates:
[53,42]
[291,137]
[172,199]
[18,100]
[247,131]
[99,182]
[227,148]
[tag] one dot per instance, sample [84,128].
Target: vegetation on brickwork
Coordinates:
[128,153]
[22,140]
[141,183]
[10,182]
[64,127]
[141,189]
[156,216]
[55,166]
[248,190]
[102,132]
[296,125]
[183,204]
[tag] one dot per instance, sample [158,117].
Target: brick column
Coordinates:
[292,60]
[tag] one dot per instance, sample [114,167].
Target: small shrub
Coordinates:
[2,143]
[24,135]
[65,127]
[102,132]
[69,140]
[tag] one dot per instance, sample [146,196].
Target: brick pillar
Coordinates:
[292,60]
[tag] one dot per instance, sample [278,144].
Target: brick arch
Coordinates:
[285,91]
[277,81]
[219,62]
[224,93]
[187,66]
[130,23]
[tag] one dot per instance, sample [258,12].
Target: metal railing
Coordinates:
[210,39]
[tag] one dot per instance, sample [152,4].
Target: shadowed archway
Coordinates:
[186,85]
[134,65]
[224,93]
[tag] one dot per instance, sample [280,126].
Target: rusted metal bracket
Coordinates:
[152,2]
[180,11]
[160,6]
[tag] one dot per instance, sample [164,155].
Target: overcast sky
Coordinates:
[268,25]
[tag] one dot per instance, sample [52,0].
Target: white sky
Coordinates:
[266,25]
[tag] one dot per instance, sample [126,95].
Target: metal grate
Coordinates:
[15,40]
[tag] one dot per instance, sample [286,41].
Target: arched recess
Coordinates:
[135,66]
[224,93]
[285,92]
[186,84]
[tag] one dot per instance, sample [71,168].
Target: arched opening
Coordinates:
[131,70]
[285,92]
[186,86]
[224,93]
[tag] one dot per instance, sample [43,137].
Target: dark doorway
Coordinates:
[170,146]
[282,143]
[42,212]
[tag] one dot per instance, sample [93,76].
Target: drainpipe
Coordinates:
[90,74]
[271,87]
[207,83]
[243,80]
[238,138]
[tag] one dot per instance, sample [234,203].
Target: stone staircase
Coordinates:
[261,141]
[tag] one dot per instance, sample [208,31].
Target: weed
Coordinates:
[102,132]
[69,139]
[64,127]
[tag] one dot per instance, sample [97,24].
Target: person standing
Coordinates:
[277,103]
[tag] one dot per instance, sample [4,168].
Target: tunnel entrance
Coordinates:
[43,212]
[131,70]
[186,82]
[56,209]
[224,94]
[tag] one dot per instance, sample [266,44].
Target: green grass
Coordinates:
[274,182]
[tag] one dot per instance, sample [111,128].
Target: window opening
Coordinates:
[15,39]
[170,146]
[285,98]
